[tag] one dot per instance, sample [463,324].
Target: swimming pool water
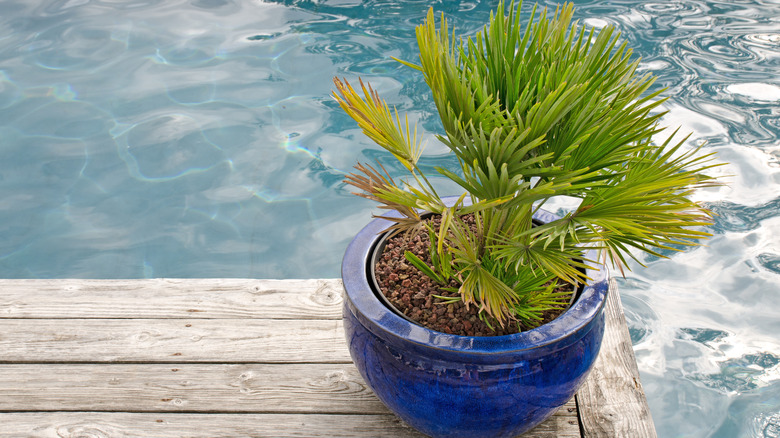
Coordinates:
[198,139]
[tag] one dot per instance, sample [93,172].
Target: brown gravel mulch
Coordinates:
[410,291]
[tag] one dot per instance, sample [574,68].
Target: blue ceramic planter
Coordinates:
[458,386]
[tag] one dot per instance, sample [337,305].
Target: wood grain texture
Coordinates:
[258,388]
[171,298]
[172,340]
[612,402]
[166,425]
[131,425]
[229,357]
[210,389]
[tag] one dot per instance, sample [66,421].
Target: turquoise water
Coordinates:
[198,139]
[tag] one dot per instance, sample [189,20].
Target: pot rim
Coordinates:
[383,321]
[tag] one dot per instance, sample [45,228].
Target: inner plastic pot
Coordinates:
[379,248]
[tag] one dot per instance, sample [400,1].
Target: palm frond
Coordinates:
[377,121]
[534,107]
[381,188]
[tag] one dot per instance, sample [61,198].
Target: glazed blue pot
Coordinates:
[459,386]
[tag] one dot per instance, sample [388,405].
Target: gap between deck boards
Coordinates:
[201,357]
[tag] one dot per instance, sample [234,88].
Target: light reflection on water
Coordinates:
[197,138]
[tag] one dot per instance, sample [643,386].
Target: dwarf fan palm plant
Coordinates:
[533,111]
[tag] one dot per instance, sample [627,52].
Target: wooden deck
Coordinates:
[227,358]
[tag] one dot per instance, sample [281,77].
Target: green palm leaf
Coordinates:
[533,108]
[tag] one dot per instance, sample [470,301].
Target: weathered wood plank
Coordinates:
[134,333]
[280,389]
[258,388]
[612,402]
[131,425]
[171,298]
[159,425]
[172,340]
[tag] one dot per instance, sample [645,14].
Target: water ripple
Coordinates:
[731,216]
[198,137]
